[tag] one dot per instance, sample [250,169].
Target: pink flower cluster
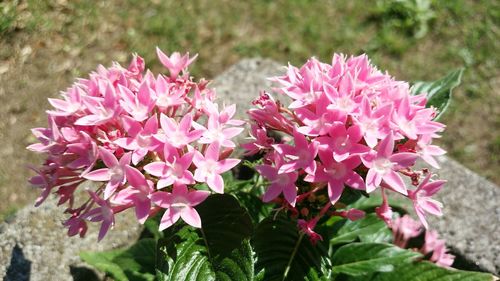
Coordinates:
[347,124]
[146,141]
[405,228]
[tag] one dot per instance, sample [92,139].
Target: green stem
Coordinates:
[289,265]
[206,243]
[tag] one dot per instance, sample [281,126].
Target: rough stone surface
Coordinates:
[34,245]
[471,221]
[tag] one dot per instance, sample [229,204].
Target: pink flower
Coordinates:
[102,109]
[174,170]
[175,63]
[71,104]
[114,174]
[178,135]
[422,201]
[307,227]
[371,122]
[300,156]
[76,225]
[209,167]
[114,114]
[104,213]
[337,174]
[140,140]
[137,105]
[179,204]
[404,228]
[279,183]
[437,247]
[167,94]
[136,194]
[383,165]
[260,140]
[217,132]
[427,151]
[344,143]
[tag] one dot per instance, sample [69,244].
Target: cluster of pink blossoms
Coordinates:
[348,125]
[145,141]
[434,249]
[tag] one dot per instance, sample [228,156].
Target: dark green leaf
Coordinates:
[284,254]
[220,250]
[439,91]
[366,258]
[427,271]
[367,229]
[135,263]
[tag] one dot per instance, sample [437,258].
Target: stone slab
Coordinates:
[34,245]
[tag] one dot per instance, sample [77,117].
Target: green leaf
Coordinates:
[366,258]
[285,254]
[427,271]
[135,263]
[220,250]
[368,229]
[439,91]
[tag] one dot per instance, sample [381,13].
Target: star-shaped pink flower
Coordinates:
[179,204]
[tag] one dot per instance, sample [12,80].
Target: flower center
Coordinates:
[342,143]
[116,173]
[382,165]
[143,141]
[336,171]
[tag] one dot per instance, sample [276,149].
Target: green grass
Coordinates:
[456,33]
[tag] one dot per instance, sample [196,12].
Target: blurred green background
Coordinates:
[45,45]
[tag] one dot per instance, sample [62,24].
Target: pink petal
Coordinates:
[216,183]
[267,171]
[108,158]
[98,175]
[373,180]
[126,158]
[110,189]
[185,123]
[272,192]
[290,193]
[105,226]
[142,208]
[232,132]
[226,165]
[151,126]
[134,177]
[433,187]
[156,168]
[89,120]
[196,197]
[191,216]
[386,146]
[395,181]
[335,189]
[404,159]
[170,217]
[127,143]
[355,181]
[431,206]
[162,199]
[212,151]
